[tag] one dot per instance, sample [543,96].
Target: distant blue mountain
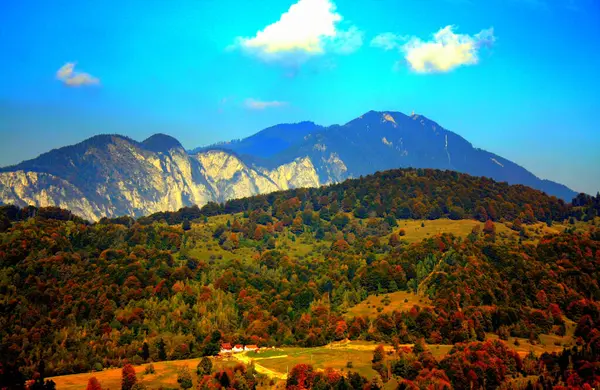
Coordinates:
[268,142]
[378,141]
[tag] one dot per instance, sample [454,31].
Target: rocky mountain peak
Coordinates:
[161,143]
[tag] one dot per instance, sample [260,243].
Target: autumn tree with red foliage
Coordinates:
[300,377]
[128,377]
[93,384]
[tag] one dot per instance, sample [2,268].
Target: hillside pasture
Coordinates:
[387,303]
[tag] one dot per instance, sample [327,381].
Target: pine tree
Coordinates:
[145,351]
[162,354]
[186,225]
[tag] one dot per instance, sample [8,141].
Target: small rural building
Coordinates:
[238,348]
[225,348]
[251,347]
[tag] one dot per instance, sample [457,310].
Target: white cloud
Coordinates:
[255,104]
[446,51]
[308,28]
[346,42]
[388,41]
[71,78]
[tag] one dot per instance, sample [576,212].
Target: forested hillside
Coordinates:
[284,269]
[404,193]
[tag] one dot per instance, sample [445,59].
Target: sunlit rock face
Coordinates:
[111,175]
[42,189]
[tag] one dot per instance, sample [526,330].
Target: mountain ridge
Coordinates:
[397,140]
[110,175]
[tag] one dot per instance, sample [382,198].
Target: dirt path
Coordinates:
[242,357]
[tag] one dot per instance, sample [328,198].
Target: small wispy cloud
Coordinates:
[388,41]
[72,78]
[346,41]
[255,104]
[446,51]
[308,28]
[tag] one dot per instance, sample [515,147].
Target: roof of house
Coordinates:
[239,346]
[252,346]
[226,346]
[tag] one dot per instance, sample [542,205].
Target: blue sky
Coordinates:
[516,77]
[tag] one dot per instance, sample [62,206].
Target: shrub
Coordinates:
[184,378]
[149,369]
[204,367]
[93,384]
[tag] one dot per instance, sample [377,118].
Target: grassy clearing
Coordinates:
[547,343]
[165,376]
[439,351]
[461,228]
[417,233]
[334,355]
[376,304]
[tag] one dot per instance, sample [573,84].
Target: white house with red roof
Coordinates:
[238,348]
[225,348]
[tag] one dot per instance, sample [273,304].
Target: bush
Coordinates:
[204,367]
[137,360]
[184,378]
[456,213]
[149,369]
[349,365]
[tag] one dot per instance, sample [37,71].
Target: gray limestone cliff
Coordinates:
[112,175]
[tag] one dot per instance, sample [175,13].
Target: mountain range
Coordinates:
[112,175]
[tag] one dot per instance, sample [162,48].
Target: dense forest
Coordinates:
[77,296]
